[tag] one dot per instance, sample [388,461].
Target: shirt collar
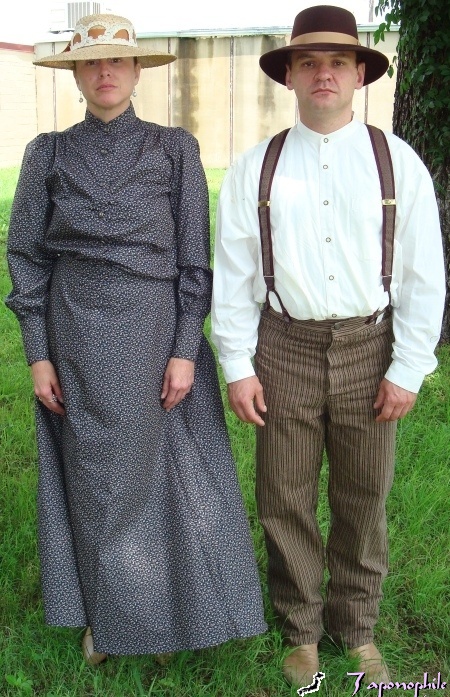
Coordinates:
[118,125]
[334,137]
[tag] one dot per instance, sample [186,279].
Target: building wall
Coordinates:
[18,119]
[262,107]
[215,89]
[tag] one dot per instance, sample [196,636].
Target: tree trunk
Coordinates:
[442,176]
[414,122]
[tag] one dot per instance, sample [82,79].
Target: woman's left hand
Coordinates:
[178,380]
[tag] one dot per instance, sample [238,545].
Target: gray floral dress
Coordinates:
[142,531]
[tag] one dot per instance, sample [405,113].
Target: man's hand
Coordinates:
[46,386]
[178,380]
[247,399]
[394,401]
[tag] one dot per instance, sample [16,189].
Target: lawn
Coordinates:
[414,627]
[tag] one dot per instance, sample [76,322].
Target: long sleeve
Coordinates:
[29,265]
[235,311]
[419,277]
[190,206]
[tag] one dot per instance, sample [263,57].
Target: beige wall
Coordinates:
[200,80]
[261,106]
[215,89]
[18,121]
[381,93]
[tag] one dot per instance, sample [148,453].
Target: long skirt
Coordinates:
[142,531]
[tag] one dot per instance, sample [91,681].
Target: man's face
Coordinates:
[324,82]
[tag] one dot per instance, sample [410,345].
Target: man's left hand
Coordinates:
[394,401]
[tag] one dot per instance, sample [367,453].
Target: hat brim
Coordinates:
[273,63]
[67,59]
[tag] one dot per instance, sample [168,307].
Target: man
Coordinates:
[350,358]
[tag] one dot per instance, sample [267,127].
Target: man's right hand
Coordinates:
[247,400]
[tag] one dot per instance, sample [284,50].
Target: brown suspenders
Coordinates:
[387,184]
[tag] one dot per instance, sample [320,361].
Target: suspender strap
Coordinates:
[387,184]
[269,166]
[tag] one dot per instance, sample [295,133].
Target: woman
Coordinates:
[142,532]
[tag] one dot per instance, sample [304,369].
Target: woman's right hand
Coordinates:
[46,386]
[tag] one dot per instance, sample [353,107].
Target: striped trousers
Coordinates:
[320,381]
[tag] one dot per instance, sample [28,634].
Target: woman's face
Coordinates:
[107,84]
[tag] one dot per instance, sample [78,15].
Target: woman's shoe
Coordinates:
[92,657]
[163,658]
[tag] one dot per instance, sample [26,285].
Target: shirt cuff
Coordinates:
[237,369]
[189,334]
[404,377]
[34,335]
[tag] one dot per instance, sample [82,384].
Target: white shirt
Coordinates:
[326,219]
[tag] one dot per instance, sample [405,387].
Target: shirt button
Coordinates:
[328,239]
[325,140]
[331,278]
[325,203]
[325,166]
[334,315]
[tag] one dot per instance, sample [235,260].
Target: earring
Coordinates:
[134,93]
[80,99]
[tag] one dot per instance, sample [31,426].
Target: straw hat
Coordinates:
[104,36]
[324,28]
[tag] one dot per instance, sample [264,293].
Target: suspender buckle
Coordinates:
[263,204]
[388,201]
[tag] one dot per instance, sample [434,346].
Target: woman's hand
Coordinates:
[46,386]
[177,382]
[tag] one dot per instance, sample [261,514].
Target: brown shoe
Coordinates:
[371,663]
[301,665]
[92,657]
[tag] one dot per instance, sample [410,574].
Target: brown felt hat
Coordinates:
[104,36]
[324,28]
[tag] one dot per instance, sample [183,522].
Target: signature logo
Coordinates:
[417,687]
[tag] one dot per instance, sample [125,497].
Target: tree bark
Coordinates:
[412,123]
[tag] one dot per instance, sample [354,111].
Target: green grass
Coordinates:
[414,627]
